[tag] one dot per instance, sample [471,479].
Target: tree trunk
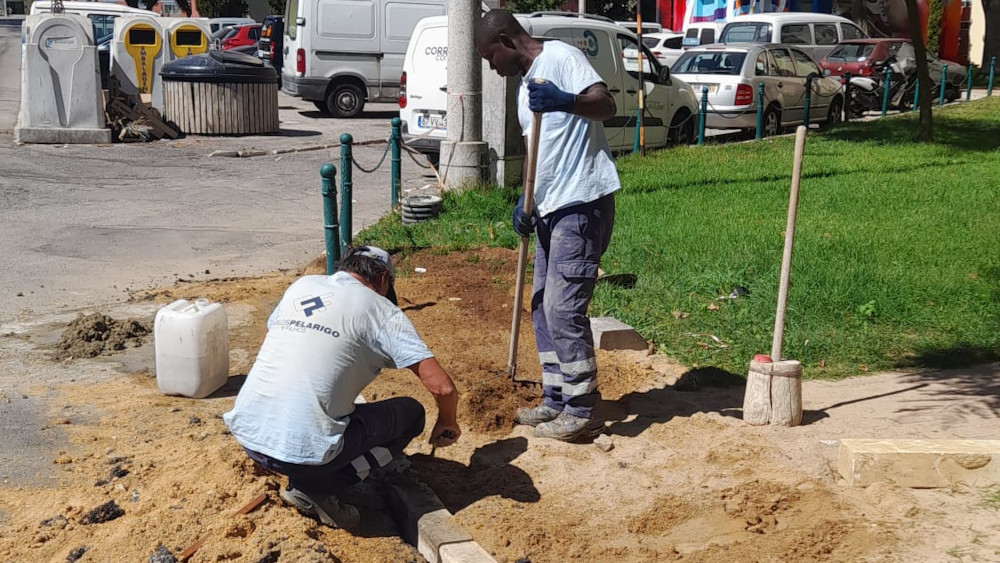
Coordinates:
[925,129]
[991,43]
[859,13]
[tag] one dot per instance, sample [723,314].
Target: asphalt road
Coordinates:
[79,224]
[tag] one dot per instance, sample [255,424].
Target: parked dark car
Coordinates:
[865,57]
[271,44]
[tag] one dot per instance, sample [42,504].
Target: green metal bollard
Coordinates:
[701,115]
[396,175]
[989,85]
[805,110]
[346,187]
[635,138]
[968,84]
[760,110]
[944,80]
[847,97]
[916,94]
[330,227]
[885,90]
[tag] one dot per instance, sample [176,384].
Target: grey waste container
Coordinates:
[221,93]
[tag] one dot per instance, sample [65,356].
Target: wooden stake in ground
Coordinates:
[522,251]
[774,386]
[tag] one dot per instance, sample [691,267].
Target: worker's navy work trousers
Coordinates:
[568,249]
[377,432]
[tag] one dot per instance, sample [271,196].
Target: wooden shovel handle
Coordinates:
[786,257]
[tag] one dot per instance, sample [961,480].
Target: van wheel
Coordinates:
[772,122]
[681,129]
[345,100]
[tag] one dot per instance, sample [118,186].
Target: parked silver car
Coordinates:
[732,73]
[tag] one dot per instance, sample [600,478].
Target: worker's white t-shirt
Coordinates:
[574,160]
[327,339]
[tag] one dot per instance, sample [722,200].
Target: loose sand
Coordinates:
[686,480]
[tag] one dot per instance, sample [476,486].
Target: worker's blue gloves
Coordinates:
[547,97]
[524,224]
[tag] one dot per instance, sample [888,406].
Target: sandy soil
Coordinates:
[686,480]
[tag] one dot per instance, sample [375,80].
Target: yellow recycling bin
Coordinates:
[185,37]
[137,54]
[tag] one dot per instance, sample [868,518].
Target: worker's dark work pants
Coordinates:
[568,249]
[377,432]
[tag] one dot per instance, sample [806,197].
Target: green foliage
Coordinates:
[277,7]
[618,10]
[934,17]
[529,6]
[895,261]
[222,8]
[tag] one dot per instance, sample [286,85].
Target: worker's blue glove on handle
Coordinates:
[524,224]
[546,97]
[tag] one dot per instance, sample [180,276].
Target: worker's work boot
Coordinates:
[536,415]
[328,509]
[569,428]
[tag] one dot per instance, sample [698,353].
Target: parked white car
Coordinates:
[665,46]
[732,73]
[670,103]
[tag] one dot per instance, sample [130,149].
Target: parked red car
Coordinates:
[241,36]
[859,56]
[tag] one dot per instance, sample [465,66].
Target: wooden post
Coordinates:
[774,386]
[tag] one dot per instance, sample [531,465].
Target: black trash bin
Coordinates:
[221,93]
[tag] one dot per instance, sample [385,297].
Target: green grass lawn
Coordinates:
[897,245]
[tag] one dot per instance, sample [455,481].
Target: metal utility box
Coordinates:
[184,37]
[60,83]
[221,93]
[137,55]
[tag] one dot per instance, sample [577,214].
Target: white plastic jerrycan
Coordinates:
[192,348]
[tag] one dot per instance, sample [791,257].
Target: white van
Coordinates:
[669,102]
[816,34]
[101,14]
[701,33]
[347,52]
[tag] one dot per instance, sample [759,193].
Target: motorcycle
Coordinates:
[867,91]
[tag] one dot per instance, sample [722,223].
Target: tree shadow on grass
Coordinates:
[705,390]
[959,133]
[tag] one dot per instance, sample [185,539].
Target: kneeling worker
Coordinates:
[327,339]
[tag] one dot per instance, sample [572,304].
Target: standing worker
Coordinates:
[573,215]
[327,339]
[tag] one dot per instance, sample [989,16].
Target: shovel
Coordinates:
[522,252]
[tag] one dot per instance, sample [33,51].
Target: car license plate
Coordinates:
[711,88]
[434,121]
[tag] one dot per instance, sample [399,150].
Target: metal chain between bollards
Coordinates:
[377,166]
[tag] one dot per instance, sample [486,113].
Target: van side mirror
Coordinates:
[664,77]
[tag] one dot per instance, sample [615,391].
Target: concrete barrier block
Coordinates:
[427,524]
[920,463]
[612,334]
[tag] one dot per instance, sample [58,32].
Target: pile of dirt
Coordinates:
[686,479]
[97,334]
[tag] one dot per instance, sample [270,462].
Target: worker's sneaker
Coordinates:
[535,415]
[328,509]
[569,428]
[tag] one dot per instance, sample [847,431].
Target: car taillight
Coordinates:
[402,90]
[744,95]
[300,61]
[657,53]
[270,53]
[867,70]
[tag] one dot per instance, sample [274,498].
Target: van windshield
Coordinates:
[747,32]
